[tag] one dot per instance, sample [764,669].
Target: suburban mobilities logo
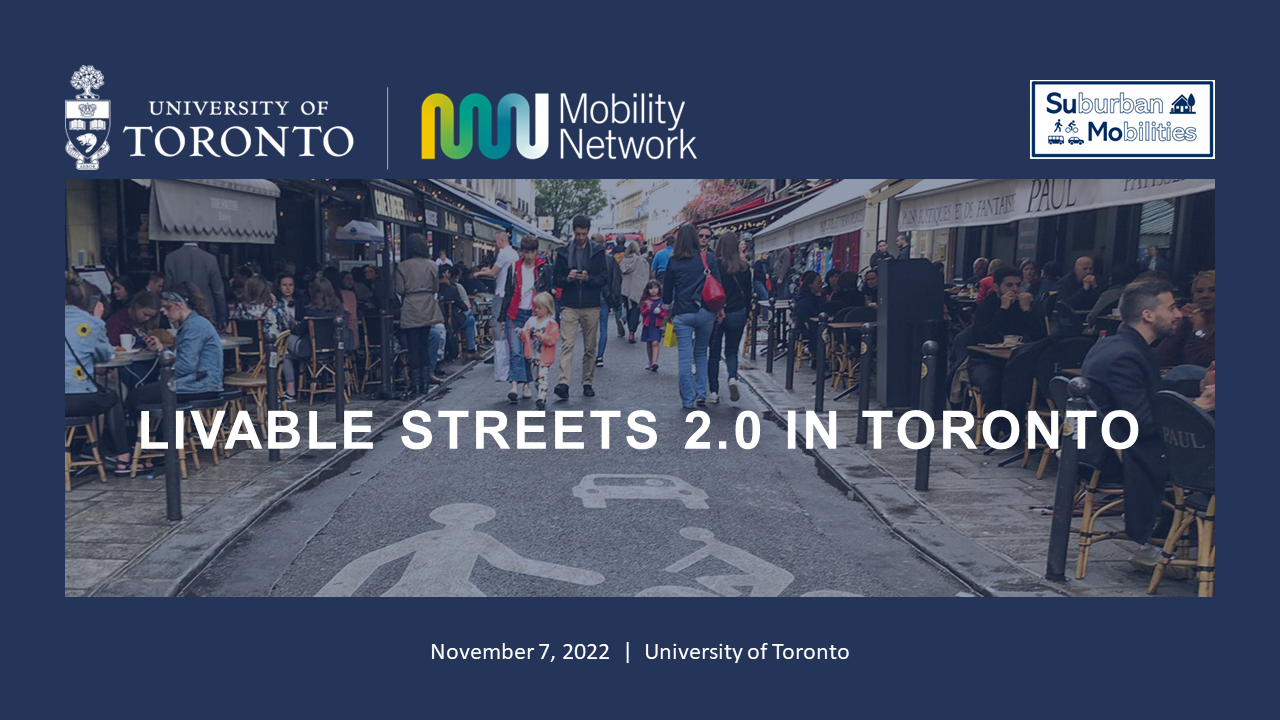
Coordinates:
[1109,118]
[531,141]
[88,119]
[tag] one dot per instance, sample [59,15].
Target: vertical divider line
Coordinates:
[388,127]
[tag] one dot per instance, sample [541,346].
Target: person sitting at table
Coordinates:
[121,295]
[155,283]
[86,343]
[197,369]
[324,304]
[1005,311]
[1110,298]
[288,298]
[988,283]
[805,306]
[138,320]
[830,286]
[1192,342]
[1080,289]
[1030,277]
[870,287]
[1124,375]
[980,270]
[1049,280]
[847,292]
[464,319]
[350,305]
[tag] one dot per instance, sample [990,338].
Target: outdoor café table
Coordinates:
[1075,372]
[120,360]
[1001,352]
[234,343]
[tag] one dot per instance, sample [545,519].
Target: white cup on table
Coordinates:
[126,341]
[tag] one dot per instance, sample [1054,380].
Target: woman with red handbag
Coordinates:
[692,289]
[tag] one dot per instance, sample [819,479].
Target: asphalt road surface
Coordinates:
[592,522]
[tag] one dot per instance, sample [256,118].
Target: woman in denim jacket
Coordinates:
[198,367]
[87,344]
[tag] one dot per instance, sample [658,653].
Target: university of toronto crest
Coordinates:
[88,119]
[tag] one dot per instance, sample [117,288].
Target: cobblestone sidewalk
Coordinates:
[985,523]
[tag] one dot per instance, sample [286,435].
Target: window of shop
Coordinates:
[1155,234]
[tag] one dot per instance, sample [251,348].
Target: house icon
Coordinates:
[1183,105]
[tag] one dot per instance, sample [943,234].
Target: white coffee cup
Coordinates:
[126,341]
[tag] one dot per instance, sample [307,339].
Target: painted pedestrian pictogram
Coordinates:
[441,561]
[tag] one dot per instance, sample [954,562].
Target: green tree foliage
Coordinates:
[566,199]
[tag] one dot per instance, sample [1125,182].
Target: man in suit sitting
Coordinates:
[1124,375]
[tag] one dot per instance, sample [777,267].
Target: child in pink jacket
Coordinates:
[541,335]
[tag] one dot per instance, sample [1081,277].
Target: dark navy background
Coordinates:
[783,89]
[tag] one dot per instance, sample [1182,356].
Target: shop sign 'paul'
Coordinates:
[88,119]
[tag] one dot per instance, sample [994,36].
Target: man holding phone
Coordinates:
[580,272]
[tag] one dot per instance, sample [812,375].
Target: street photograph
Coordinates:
[836,387]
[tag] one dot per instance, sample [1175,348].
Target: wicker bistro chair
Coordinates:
[848,342]
[371,340]
[186,443]
[324,346]
[1103,493]
[1190,441]
[251,357]
[254,383]
[73,426]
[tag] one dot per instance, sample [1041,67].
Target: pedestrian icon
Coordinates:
[593,493]
[1057,127]
[441,561]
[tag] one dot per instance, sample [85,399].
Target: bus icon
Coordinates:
[1055,139]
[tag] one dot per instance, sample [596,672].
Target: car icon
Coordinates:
[594,490]
[1075,141]
[1055,139]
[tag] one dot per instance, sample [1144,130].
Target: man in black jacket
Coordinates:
[904,247]
[580,273]
[1004,311]
[881,254]
[1123,375]
[1080,289]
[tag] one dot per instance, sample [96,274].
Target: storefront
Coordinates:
[826,231]
[1115,221]
[400,211]
[482,246]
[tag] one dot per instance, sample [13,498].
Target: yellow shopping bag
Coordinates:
[669,338]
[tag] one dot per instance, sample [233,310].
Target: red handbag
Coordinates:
[713,297]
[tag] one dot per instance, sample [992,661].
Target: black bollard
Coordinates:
[788,340]
[273,397]
[820,385]
[169,424]
[928,403]
[866,365]
[1068,479]
[755,326]
[768,347]
[340,368]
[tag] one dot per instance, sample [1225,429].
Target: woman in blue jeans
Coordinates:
[731,258]
[682,292]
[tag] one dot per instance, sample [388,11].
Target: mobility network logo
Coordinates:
[456,133]
[1122,118]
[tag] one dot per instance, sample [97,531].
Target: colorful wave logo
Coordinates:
[493,146]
